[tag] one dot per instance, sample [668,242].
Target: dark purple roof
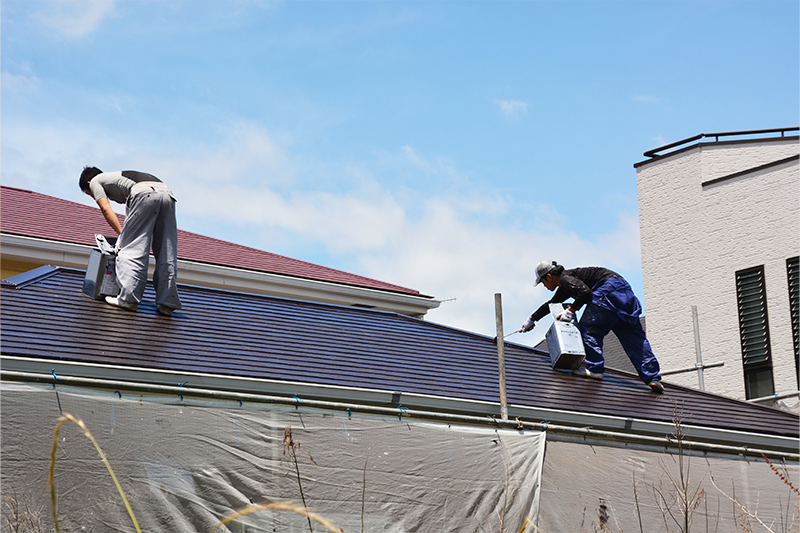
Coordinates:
[246,335]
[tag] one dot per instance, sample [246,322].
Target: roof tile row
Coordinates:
[257,336]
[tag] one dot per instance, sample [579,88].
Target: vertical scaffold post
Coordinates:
[501,358]
[696,324]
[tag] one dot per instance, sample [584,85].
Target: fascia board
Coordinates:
[21,248]
[33,250]
[394,398]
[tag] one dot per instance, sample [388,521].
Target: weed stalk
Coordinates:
[61,420]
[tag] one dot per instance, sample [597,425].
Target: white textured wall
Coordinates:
[695,238]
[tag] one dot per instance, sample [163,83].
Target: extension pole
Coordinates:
[501,358]
[696,324]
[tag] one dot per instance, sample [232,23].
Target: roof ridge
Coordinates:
[246,247]
[16,189]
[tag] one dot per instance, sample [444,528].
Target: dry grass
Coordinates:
[65,417]
[18,514]
[281,506]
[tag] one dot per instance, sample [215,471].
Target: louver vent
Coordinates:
[793,273]
[752,301]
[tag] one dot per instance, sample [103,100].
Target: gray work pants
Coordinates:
[149,220]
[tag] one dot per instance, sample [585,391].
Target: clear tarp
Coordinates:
[186,464]
[591,486]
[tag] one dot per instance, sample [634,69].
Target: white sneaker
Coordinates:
[113,300]
[585,373]
[656,386]
[164,310]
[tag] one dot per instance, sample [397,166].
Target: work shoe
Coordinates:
[586,373]
[113,300]
[656,386]
[164,310]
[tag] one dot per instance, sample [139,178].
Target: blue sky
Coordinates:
[445,146]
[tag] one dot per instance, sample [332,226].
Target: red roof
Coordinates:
[33,214]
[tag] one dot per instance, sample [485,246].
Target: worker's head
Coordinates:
[548,273]
[86,176]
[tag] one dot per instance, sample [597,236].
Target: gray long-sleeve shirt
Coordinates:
[117,185]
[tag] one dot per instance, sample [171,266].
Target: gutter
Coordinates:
[392,403]
[71,255]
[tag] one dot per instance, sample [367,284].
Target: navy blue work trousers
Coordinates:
[615,308]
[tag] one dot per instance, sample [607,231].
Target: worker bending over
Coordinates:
[610,306]
[149,220]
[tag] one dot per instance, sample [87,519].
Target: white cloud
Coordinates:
[647,99]
[22,82]
[461,242]
[512,108]
[457,243]
[49,158]
[19,83]
[74,19]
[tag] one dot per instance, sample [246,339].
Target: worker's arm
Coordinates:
[110,215]
[544,309]
[576,288]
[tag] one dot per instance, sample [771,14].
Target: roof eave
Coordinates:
[72,255]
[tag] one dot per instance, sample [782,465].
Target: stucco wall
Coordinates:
[695,238]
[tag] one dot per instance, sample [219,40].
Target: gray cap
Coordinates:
[542,269]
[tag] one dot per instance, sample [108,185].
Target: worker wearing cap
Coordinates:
[149,220]
[610,306]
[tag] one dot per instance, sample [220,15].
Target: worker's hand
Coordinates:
[566,316]
[527,326]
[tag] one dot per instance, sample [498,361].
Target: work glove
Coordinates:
[527,326]
[566,316]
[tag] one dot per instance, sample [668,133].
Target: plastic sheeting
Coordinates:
[185,464]
[589,486]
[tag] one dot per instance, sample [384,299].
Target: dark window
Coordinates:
[751,297]
[793,273]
